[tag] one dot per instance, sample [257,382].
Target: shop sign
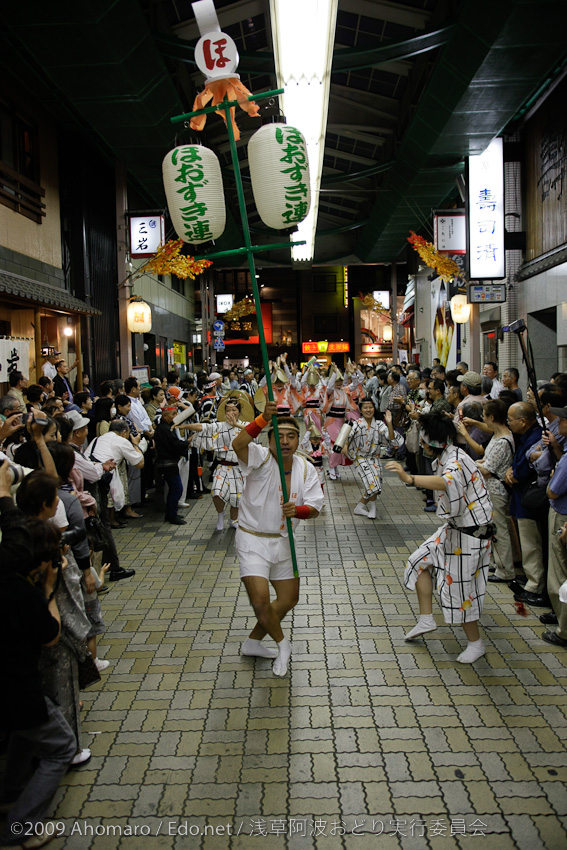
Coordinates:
[373,348]
[14,357]
[486,213]
[147,233]
[450,233]
[179,353]
[224,303]
[487,293]
[325,347]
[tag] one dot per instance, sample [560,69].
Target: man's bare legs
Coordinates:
[269,616]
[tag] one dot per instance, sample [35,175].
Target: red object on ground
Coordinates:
[521,609]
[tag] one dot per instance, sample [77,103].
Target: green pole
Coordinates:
[252,267]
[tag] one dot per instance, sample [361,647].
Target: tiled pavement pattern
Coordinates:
[370,743]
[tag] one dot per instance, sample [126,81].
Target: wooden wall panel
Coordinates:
[545,173]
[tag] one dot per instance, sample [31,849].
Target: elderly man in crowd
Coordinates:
[527,432]
[18,383]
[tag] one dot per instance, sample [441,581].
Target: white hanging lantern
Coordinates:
[193,187]
[279,168]
[387,332]
[460,309]
[139,317]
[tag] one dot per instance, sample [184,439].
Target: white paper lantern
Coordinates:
[139,317]
[279,168]
[193,187]
[460,309]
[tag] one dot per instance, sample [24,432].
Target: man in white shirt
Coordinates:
[49,369]
[115,445]
[262,540]
[138,413]
[490,370]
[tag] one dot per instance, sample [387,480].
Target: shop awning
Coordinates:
[33,293]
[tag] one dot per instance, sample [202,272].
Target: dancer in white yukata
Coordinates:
[317,446]
[227,482]
[457,555]
[262,538]
[365,442]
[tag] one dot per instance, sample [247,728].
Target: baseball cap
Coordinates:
[470,379]
[559,411]
[78,421]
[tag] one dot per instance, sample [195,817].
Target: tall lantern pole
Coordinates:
[227,81]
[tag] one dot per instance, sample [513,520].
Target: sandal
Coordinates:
[134,515]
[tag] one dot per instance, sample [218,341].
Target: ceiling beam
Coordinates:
[384,10]
[361,134]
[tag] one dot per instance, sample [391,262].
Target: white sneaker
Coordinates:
[82,757]
[101,665]
[360,510]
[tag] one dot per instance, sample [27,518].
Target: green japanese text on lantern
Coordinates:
[295,156]
[191,173]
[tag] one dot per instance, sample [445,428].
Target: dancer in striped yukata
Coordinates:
[227,483]
[456,557]
[365,442]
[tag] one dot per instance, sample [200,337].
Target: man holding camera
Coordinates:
[41,743]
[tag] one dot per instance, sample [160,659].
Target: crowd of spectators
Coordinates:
[76,465]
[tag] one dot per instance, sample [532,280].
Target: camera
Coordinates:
[515,327]
[17,473]
[39,419]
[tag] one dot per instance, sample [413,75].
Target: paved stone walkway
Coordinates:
[370,743]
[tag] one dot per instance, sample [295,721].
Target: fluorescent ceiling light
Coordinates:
[303,33]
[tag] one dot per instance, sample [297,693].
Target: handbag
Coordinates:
[88,673]
[412,438]
[96,533]
[534,497]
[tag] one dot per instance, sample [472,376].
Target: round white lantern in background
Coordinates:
[139,317]
[460,309]
[279,169]
[387,332]
[193,187]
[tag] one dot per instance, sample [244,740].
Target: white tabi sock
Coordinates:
[257,649]
[426,623]
[279,667]
[475,650]
[220,521]
[372,510]
[360,510]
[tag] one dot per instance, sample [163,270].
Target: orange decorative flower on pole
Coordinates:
[446,268]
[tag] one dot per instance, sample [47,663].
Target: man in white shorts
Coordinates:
[262,540]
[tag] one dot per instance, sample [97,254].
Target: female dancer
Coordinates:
[335,408]
[365,442]
[217,436]
[457,555]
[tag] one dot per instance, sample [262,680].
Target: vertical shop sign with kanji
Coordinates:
[147,233]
